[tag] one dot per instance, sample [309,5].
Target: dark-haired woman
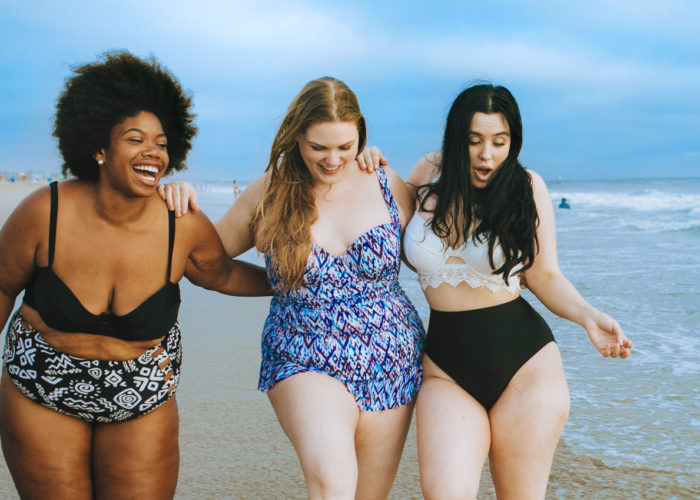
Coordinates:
[493,378]
[92,355]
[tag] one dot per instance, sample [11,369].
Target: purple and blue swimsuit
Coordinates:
[349,319]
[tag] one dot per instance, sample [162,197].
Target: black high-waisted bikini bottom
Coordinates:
[482,349]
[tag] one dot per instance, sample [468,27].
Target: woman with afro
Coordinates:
[92,355]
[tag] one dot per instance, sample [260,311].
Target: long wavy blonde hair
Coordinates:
[282,224]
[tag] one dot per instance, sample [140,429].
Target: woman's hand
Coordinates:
[523,281]
[179,196]
[608,337]
[371,159]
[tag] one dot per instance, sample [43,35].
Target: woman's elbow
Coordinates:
[541,278]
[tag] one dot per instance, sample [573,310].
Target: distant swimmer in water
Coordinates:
[235,190]
[564,204]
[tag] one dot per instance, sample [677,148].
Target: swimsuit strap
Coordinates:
[52,221]
[171,241]
[388,196]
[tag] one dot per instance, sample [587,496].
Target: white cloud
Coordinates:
[264,38]
[275,38]
[551,65]
[246,39]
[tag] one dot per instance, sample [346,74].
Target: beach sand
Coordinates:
[232,446]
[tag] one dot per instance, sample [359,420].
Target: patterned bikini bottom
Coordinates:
[91,390]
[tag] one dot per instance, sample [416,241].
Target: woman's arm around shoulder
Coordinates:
[425,171]
[20,238]
[551,287]
[208,265]
[234,227]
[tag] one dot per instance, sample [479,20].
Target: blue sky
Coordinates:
[607,89]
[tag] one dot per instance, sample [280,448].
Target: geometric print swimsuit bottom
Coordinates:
[95,391]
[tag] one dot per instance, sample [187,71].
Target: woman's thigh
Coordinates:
[379,442]
[453,436]
[48,453]
[526,423]
[139,458]
[320,417]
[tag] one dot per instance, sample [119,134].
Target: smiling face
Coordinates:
[137,155]
[327,148]
[489,145]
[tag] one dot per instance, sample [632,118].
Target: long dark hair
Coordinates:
[504,211]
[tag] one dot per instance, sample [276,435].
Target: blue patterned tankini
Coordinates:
[349,319]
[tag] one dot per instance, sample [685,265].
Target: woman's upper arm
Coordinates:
[20,238]
[546,261]
[234,227]
[206,260]
[208,265]
[424,172]
[402,195]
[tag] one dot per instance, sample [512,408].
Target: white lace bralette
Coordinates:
[428,254]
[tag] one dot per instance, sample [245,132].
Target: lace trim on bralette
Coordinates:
[453,276]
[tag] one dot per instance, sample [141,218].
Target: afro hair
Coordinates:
[102,94]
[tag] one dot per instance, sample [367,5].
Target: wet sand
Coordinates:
[233,447]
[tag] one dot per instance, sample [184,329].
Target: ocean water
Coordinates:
[632,248]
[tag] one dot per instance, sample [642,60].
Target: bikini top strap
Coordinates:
[52,221]
[388,196]
[171,240]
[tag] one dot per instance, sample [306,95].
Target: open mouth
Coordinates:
[482,173]
[330,170]
[147,173]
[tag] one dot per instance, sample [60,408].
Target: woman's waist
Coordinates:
[464,297]
[85,345]
[330,293]
[348,317]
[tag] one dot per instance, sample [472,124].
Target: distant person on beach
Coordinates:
[493,382]
[235,190]
[342,344]
[92,356]
[564,204]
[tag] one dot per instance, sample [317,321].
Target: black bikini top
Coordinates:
[61,309]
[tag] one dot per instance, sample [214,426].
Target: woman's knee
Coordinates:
[328,480]
[448,487]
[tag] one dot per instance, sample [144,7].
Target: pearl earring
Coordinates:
[100,162]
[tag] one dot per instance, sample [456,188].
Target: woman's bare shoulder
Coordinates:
[33,208]
[392,175]
[538,184]
[425,170]
[396,183]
